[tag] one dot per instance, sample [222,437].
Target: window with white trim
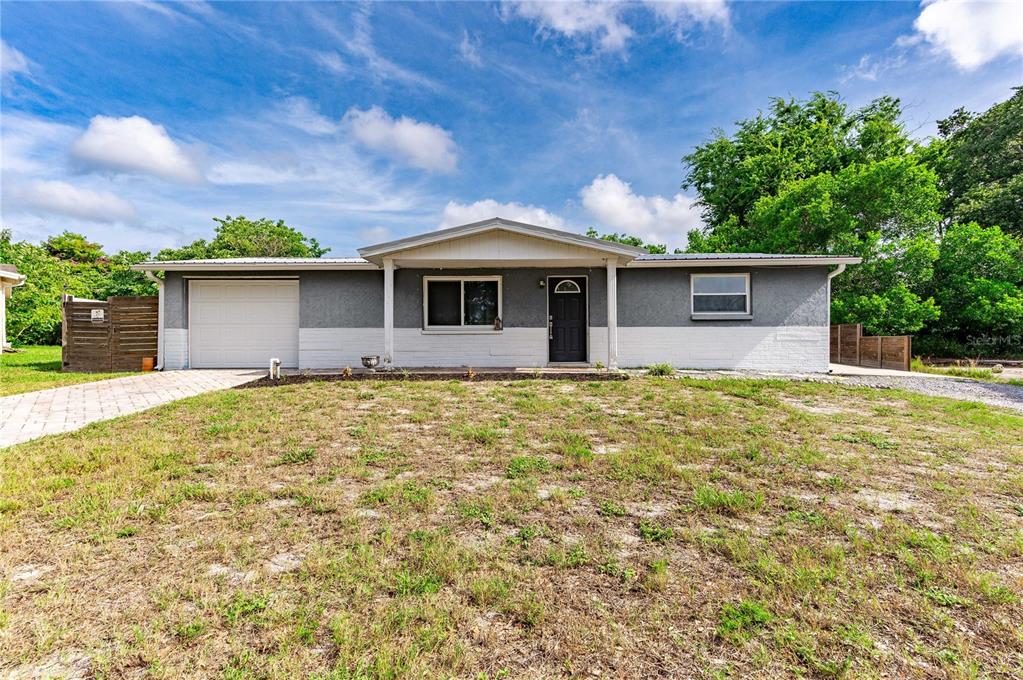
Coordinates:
[461,302]
[720,294]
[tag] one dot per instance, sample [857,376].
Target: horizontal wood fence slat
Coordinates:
[849,346]
[118,339]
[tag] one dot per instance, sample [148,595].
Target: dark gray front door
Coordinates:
[566,300]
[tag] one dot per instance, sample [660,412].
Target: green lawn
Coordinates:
[38,368]
[669,527]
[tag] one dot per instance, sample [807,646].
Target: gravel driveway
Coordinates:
[995,394]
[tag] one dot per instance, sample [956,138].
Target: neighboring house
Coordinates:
[9,280]
[499,293]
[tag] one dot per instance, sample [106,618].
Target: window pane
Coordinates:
[480,303]
[728,283]
[443,302]
[719,303]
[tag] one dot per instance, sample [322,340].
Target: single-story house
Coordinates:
[9,280]
[499,293]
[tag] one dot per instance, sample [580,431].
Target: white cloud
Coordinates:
[371,235]
[359,45]
[465,213]
[300,113]
[61,198]
[681,14]
[421,145]
[134,145]
[871,68]
[972,33]
[12,61]
[591,19]
[332,62]
[469,49]
[655,219]
[606,22]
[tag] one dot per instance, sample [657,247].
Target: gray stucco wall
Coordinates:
[524,303]
[781,296]
[789,296]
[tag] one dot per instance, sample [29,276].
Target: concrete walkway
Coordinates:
[63,409]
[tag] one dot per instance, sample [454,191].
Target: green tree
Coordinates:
[73,247]
[979,159]
[629,241]
[241,237]
[978,281]
[815,177]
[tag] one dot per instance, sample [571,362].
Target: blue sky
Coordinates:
[136,122]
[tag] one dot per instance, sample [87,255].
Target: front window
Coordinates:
[721,294]
[461,302]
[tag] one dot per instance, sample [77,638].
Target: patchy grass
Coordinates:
[38,368]
[672,527]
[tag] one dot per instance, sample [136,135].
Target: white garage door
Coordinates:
[242,324]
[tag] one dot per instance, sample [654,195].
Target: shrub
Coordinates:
[660,369]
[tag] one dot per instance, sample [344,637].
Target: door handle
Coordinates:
[550,329]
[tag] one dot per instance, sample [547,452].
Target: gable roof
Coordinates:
[379,251]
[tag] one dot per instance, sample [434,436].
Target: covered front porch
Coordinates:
[496,294]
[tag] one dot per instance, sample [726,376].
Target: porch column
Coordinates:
[388,358]
[612,314]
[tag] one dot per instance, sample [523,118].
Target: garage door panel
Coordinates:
[243,323]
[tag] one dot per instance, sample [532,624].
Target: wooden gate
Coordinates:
[849,346]
[114,335]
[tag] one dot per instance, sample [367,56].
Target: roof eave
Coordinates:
[251,266]
[748,262]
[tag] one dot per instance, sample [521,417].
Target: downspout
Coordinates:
[831,275]
[159,319]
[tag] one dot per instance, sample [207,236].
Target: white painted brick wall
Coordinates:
[783,349]
[175,348]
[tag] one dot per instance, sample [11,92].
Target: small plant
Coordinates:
[127,532]
[611,509]
[242,605]
[739,622]
[296,457]
[663,369]
[480,434]
[480,511]
[346,372]
[656,579]
[524,466]
[655,533]
[470,374]
[487,592]
[708,498]
[190,631]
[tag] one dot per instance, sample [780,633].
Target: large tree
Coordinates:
[979,160]
[816,177]
[242,237]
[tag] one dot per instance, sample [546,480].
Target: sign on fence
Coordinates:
[114,335]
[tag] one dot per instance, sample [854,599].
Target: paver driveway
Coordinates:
[62,409]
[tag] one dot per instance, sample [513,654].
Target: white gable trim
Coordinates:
[377,252]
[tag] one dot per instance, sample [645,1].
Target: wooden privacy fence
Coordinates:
[849,346]
[109,336]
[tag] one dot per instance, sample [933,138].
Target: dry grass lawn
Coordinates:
[654,527]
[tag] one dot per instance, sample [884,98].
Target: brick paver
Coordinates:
[62,409]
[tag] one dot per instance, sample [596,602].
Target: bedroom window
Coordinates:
[721,294]
[456,302]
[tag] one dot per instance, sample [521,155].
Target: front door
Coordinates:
[566,305]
